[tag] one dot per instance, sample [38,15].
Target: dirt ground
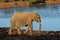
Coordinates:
[37,35]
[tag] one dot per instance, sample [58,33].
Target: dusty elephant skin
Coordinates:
[20,19]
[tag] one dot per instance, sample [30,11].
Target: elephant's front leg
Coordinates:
[27,28]
[30,26]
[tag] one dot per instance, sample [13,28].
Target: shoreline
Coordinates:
[21,4]
[37,35]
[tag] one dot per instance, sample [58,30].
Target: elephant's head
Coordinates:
[36,17]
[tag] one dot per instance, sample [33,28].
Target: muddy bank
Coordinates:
[37,35]
[27,37]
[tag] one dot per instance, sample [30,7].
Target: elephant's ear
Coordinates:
[39,17]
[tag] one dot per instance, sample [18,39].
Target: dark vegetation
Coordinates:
[6,0]
[41,1]
[38,2]
[16,0]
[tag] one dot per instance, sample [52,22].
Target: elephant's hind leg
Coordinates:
[10,30]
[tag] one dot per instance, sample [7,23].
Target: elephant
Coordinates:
[20,19]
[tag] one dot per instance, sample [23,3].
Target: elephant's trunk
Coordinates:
[39,26]
[39,21]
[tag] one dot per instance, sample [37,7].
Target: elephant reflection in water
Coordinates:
[20,19]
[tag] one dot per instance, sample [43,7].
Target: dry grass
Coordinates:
[13,4]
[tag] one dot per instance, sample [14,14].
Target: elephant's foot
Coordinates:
[25,32]
[19,33]
[30,33]
[10,33]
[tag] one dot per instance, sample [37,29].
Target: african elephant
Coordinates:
[20,19]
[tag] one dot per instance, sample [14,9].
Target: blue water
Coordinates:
[50,16]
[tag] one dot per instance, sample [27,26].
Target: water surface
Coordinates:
[50,16]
